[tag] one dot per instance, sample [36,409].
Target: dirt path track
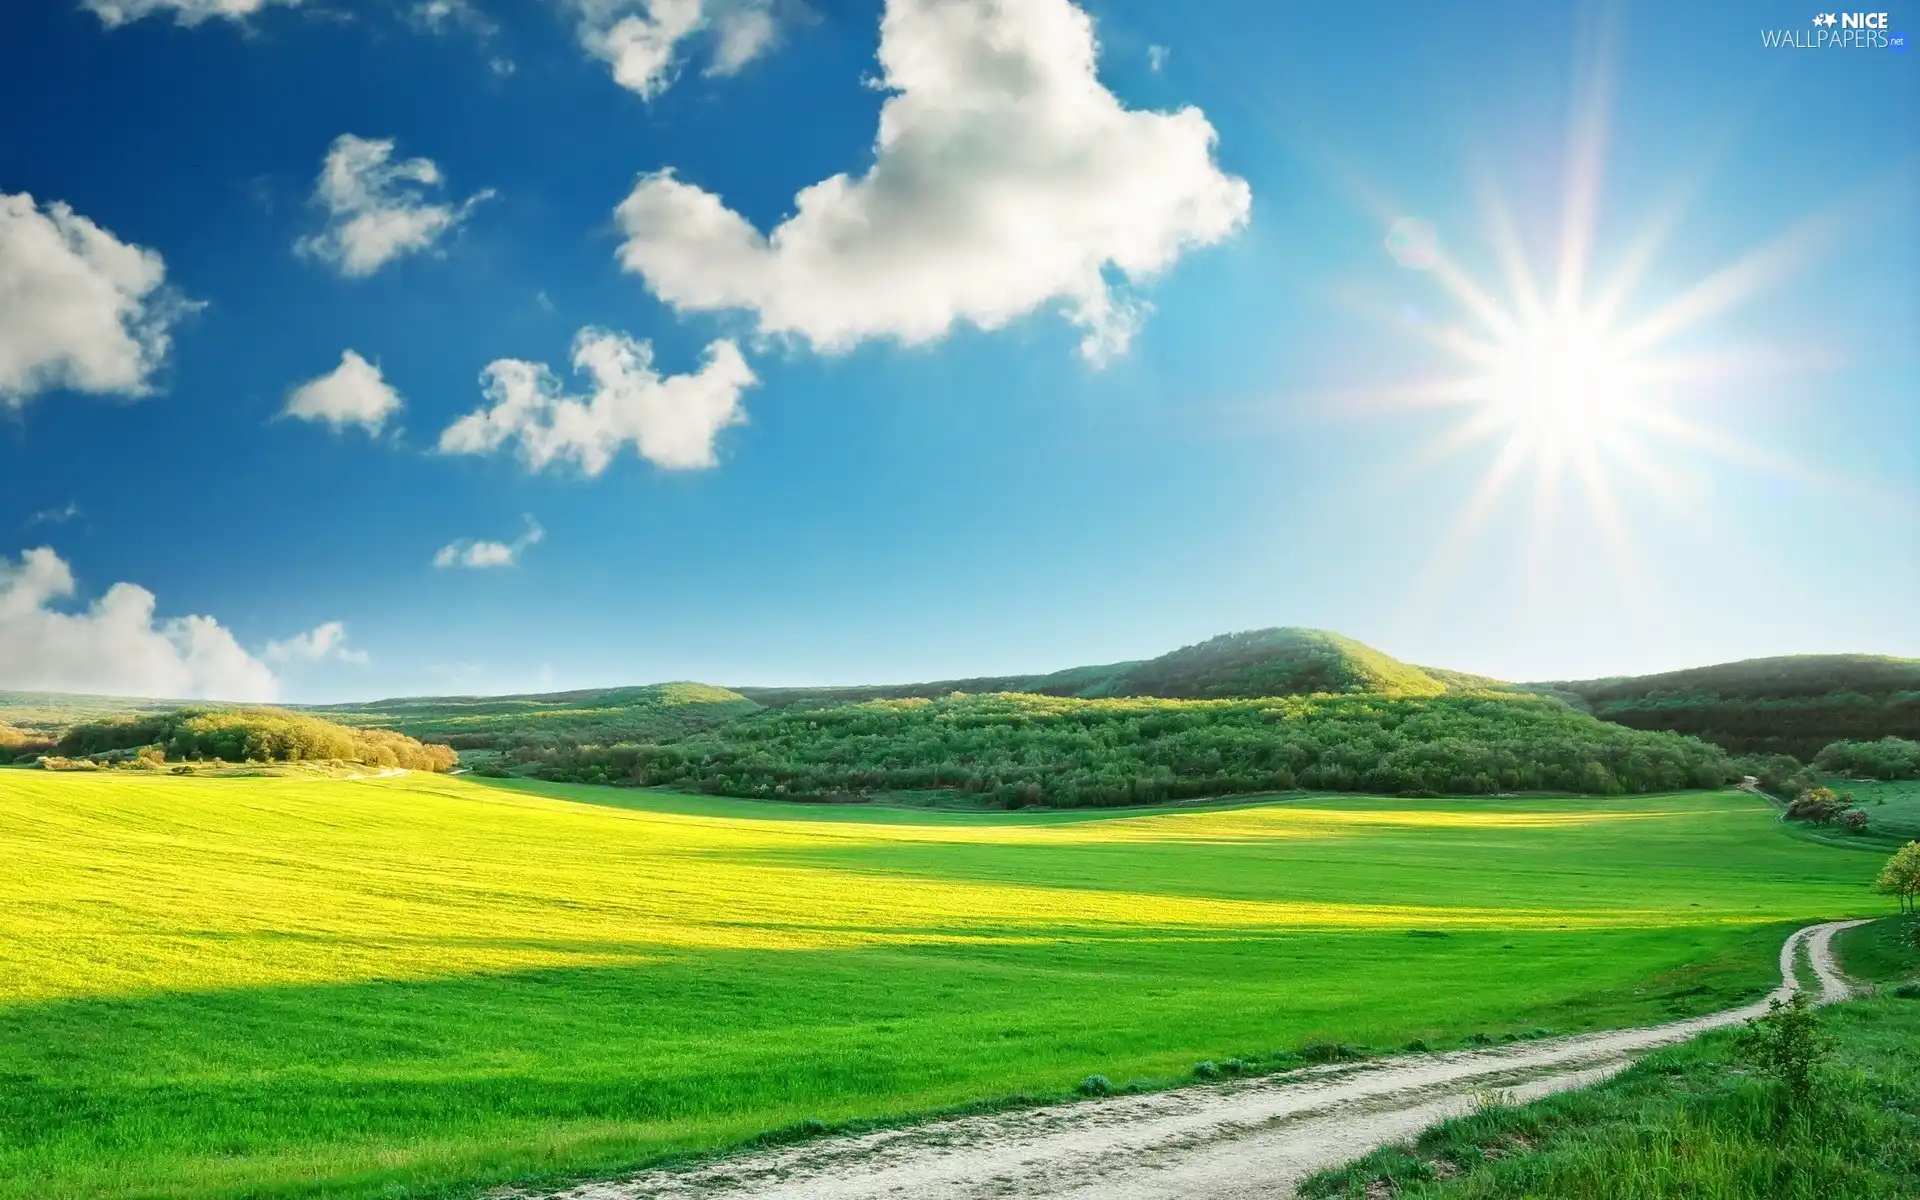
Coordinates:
[1251,1138]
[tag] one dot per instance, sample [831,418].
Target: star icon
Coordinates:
[1827,19]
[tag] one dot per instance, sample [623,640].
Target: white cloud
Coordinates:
[480,554]
[441,16]
[641,39]
[670,420]
[742,33]
[317,645]
[1005,177]
[56,516]
[353,393]
[79,308]
[1157,57]
[378,207]
[115,646]
[113,13]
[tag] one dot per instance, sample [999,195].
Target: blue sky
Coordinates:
[902,494]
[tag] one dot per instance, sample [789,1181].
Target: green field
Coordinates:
[419,985]
[1693,1120]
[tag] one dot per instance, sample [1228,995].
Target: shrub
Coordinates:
[1096,1085]
[1329,1052]
[1205,1070]
[1787,1044]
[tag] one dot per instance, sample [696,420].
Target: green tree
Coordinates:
[1901,876]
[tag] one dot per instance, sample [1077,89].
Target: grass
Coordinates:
[1879,954]
[421,986]
[1892,808]
[1695,1122]
[1893,816]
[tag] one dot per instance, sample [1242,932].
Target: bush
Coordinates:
[1095,1085]
[1824,806]
[1787,1044]
[1330,1052]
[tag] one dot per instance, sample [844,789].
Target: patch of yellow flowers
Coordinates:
[113,884]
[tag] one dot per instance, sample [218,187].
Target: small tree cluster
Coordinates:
[1887,758]
[1824,806]
[1901,877]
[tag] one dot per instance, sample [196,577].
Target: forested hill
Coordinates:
[1249,665]
[1793,705]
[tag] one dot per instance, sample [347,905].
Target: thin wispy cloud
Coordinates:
[480,554]
[69,511]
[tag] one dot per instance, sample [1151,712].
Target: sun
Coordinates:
[1561,369]
[1561,385]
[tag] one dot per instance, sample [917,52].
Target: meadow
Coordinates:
[423,985]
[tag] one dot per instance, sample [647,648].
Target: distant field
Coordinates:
[416,985]
[1892,808]
[1893,815]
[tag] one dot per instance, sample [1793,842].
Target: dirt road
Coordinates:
[1251,1138]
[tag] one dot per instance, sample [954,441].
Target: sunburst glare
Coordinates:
[1579,382]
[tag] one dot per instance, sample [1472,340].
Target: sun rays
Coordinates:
[1579,382]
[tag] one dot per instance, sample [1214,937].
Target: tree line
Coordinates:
[250,735]
[1015,750]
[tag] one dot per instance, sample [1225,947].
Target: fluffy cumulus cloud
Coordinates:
[480,554]
[186,12]
[115,645]
[379,208]
[1005,178]
[669,420]
[322,642]
[79,308]
[353,393]
[642,40]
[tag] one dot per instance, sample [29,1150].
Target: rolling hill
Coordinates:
[1791,705]
[658,712]
[1257,710]
[1247,665]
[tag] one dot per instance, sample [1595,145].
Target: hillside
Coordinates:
[49,714]
[658,712]
[1247,665]
[1791,705]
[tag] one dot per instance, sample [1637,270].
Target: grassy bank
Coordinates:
[418,985]
[1696,1121]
